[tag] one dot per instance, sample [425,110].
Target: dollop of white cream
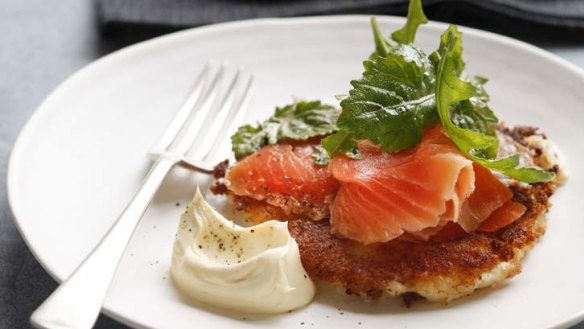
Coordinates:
[249,269]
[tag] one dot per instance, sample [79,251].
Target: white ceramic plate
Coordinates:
[82,155]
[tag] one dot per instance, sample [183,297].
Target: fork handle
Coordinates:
[77,301]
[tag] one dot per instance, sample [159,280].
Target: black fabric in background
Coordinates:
[525,19]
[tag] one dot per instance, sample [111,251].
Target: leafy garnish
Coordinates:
[382,45]
[474,113]
[393,101]
[510,167]
[320,156]
[341,142]
[416,17]
[404,91]
[401,93]
[451,90]
[298,121]
[472,128]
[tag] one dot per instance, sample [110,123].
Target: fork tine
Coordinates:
[207,134]
[209,105]
[185,136]
[235,114]
[184,111]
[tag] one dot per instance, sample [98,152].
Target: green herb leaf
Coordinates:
[320,155]
[509,167]
[382,45]
[416,17]
[474,113]
[298,121]
[461,105]
[341,142]
[450,90]
[393,101]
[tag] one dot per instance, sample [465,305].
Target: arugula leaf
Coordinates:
[450,89]
[382,45]
[298,121]
[474,113]
[453,95]
[509,167]
[416,17]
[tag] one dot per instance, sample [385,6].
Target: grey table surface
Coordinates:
[42,42]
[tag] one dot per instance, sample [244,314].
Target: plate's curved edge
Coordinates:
[9,183]
[120,55]
[172,37]
[574,320]
[155,42]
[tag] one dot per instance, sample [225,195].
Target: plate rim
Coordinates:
[17,151]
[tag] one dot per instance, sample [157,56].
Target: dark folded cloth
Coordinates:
[175,14]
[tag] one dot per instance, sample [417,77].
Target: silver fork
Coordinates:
[188,140]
